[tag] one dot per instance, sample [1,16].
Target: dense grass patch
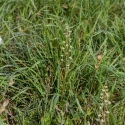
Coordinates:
[62,62]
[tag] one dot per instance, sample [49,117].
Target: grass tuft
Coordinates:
[62,62]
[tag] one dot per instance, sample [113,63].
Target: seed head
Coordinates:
[99,57]
[6,102]
[96,66]
[11,82]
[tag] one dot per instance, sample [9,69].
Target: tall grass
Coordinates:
[61,60]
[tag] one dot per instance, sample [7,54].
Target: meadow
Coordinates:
[62,62]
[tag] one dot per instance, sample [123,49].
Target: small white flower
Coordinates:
[1,41]
[66,53]
[70,31]
[107,112]
[63,48]
[106,101]
[103,90]
[102,120]
[70,40]
[67,65]
[71,47]
[97,119]
[109,102]
[105,87]
[101,97]
[62,60]
[67,45]
[99,115]
[107,94]
[70,57]
[67,36]
[67,27]
[100,107]
[101,94]
[101,104]
[88,123]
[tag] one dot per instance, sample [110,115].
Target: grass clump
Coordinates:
[62,62]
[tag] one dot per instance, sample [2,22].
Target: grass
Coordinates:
[62,62]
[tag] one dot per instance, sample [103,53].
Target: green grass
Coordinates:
[48,91]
